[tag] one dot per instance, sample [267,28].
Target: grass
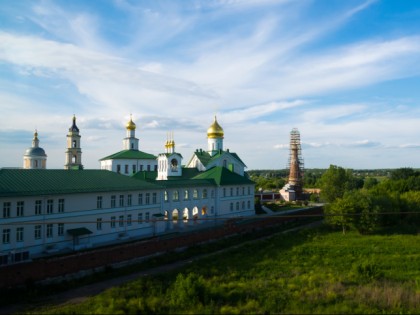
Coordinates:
[312,271]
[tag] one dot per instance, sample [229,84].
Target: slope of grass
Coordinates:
[313,271]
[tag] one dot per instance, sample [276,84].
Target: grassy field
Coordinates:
[312,271]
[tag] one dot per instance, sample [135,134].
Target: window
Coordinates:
[60,205]
[165,196]
[121,200]
[237,205]
[243,191]
[231,191]
[249,204]
[126,168]
[49,230]
[113,222]
[249,190]
[147,216]
[175,195]
[6,209]
[99,202]
[195,194]
[140,218]
[38,207]
[19,234]
[129,200]
[231,206]
[50,206]
[99,224]
[60,231]
[155,168]
[37,232]
[243,205]
[19,209]
[6,236]
[121,221]
[154,198]
[141,168]
[212,210]
[118,168]
[140,199]
[134,169]
[224,192]
[204,193]
[212,193]
[129,220]
[237,191]
[148,168]
[113,201]
[147,198]
[186,194]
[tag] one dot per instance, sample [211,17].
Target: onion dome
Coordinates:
[73,127]
[35,150]
[215,131]
[131,125]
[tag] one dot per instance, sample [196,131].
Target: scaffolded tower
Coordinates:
[293,189]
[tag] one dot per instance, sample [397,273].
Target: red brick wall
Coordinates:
[41,269]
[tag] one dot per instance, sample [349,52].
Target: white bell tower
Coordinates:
[130,142]
[73,152]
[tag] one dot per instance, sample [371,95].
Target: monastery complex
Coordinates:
[133,195]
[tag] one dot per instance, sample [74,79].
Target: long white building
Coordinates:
[46,212]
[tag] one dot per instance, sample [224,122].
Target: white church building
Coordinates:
[133,195]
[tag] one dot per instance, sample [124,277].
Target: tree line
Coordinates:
[366,205]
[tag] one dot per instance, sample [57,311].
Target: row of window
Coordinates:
[134,168]
[19,233]
[14,257]
[195,195]
[121,220]
[238,191]
[20,207]
[147,198]
[243,205]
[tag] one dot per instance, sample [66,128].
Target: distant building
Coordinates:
[74,151]
[292,191]
[35,157]
[130,160]
[44,212]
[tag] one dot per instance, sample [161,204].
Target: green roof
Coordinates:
[222,176]
[129,155]
[205,157]
[23,182]
[185,180]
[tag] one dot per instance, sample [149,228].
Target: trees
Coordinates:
[335,182]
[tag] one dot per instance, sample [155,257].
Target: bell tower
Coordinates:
[73,152]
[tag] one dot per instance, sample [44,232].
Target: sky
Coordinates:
[346,74]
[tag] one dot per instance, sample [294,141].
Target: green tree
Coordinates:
[341,213]
[334,182]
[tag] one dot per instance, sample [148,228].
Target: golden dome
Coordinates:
[215,131]
[131,125]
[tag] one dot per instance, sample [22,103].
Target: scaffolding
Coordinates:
[296,165]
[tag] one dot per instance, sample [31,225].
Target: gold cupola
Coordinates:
[131,125]
[215,131]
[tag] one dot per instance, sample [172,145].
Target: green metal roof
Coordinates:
[129,155]
[23,182]
[222,176]
[205,157]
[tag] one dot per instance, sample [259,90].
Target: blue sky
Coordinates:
[345,73]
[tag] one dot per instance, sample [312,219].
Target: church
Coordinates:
[134,195]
